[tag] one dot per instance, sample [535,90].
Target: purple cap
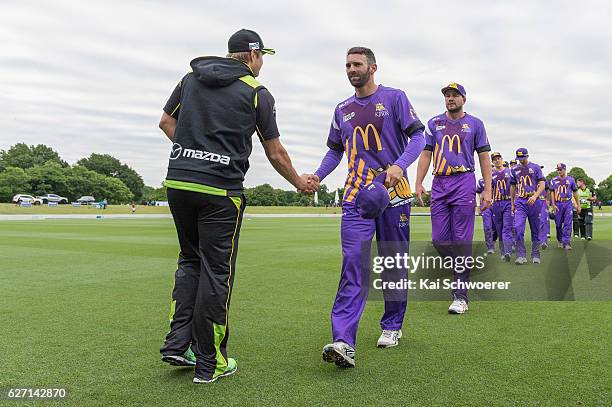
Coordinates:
[561,166]
[455,86]
[522,153]
[372,200]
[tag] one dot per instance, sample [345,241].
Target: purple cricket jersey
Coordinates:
[526,178]
[501,184]
[370,131]
[453,143]
[563,187]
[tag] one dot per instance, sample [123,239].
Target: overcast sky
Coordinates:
[85,76]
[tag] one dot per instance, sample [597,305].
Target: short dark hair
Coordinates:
[244,57]
[363,51]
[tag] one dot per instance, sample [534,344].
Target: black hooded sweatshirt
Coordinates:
[218,107]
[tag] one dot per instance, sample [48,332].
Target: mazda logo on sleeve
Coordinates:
[177,149]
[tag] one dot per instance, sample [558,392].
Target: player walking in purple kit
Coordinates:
[487,219]
[513,163]
[563,187]
[452,138]
[527,186]
[502,210]
[379,132]
[545,221]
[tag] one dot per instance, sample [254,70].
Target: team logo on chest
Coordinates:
[465,128]
[380,110]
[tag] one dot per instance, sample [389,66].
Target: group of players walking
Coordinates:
[210,118]
[522,194]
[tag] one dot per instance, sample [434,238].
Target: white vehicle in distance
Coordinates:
[19,198]
[53,198]
[86,200]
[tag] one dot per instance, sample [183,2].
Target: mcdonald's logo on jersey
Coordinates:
[365,136]
[501,184]
[562,189]
[526,180]
[451,142]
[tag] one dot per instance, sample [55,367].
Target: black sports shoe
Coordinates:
[186,359]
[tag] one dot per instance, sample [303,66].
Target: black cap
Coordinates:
[245,41]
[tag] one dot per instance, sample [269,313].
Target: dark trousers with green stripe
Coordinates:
[208,227]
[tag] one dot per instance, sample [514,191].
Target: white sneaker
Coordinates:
[458,307]
[340,353]
[536,260]
[582,238]
[389,339]
[520,260]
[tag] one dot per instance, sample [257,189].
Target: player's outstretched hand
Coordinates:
[531,200]
[308,184]
[394,175]
[420,190]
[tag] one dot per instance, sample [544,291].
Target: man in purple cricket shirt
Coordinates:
[502,210]
[563,187]
[513,163]
[487,220]
[545,221]
[527,185]
[452,138]
[379,132]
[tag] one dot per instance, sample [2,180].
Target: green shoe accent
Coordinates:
[232,366]
[189,355]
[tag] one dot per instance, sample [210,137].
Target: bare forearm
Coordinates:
[423,166]
[540,189]
[485,169]
[281,162]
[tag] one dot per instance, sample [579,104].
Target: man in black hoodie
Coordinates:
[210,118]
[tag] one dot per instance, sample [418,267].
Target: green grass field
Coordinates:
[11,209]
[85,306]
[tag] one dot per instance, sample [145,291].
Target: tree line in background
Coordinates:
[39,170]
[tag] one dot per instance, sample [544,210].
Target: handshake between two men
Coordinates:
[309,184]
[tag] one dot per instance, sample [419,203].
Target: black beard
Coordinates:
[361,81]
[455,110]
